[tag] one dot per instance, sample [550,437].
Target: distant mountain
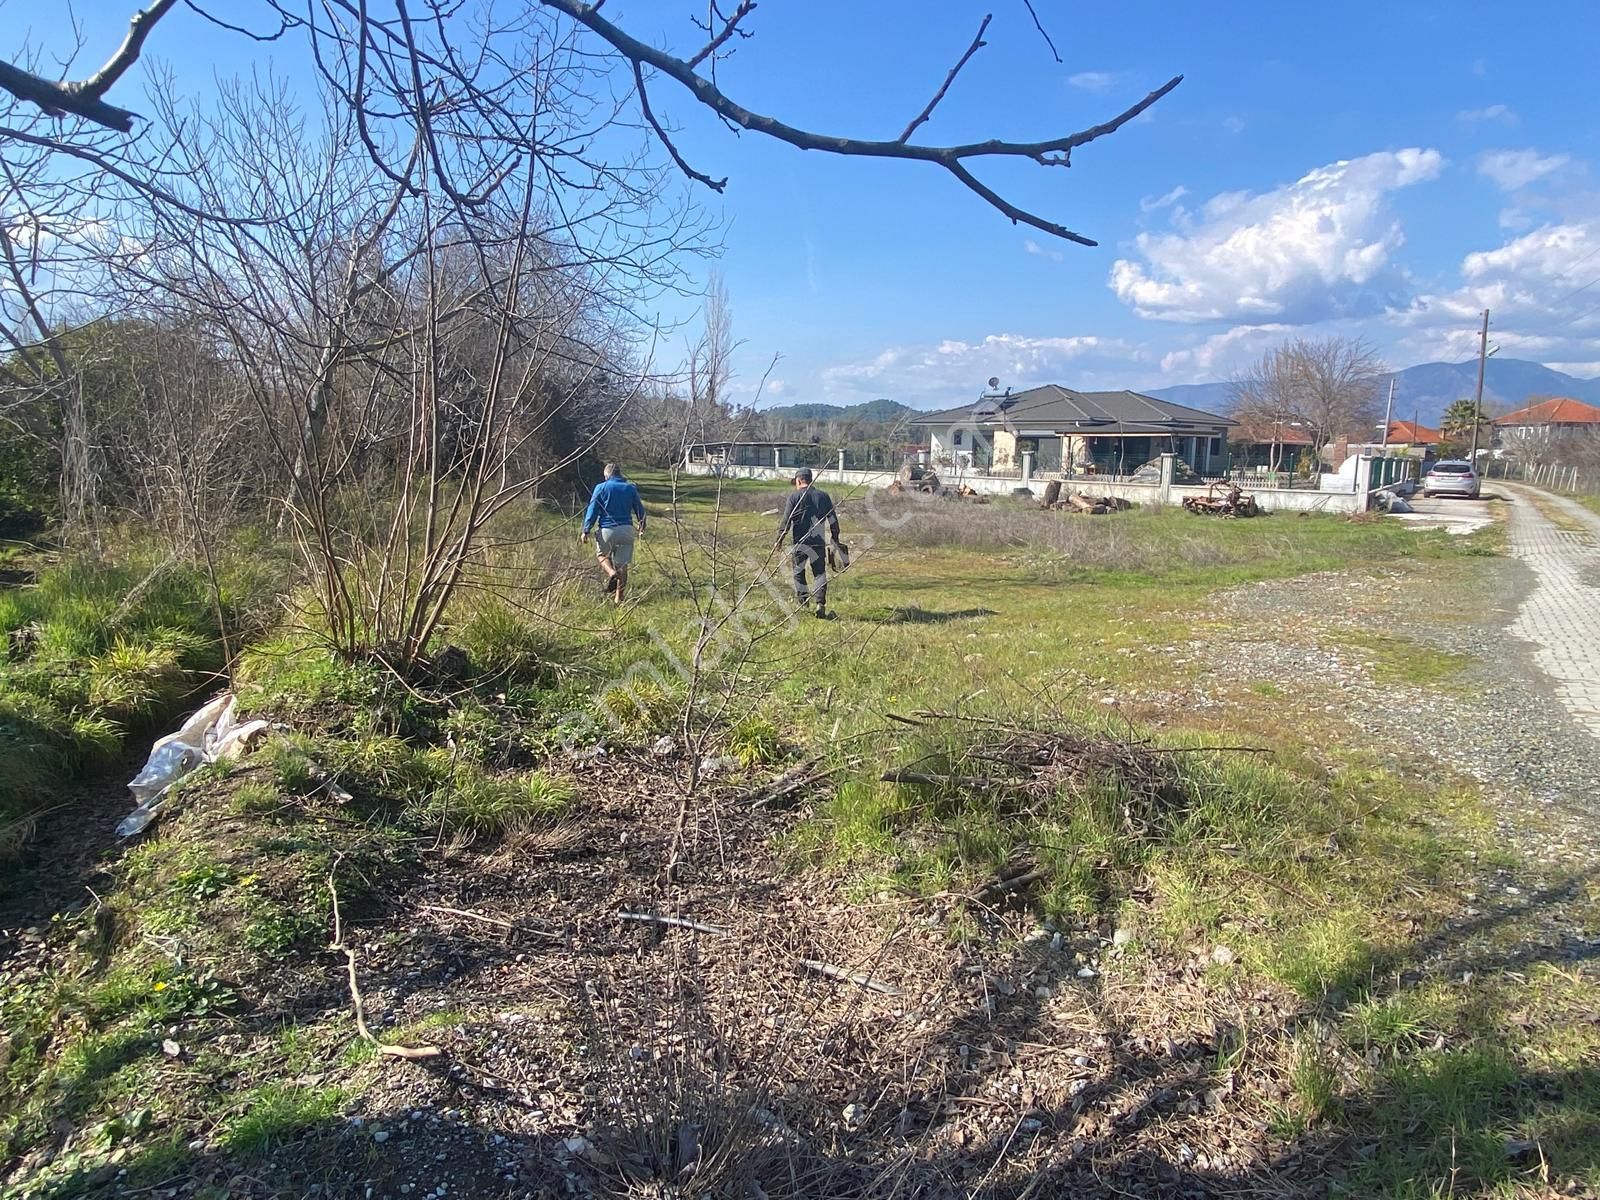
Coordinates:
[1426,390]
[873,412]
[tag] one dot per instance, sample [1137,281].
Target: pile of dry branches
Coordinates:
[1027,766]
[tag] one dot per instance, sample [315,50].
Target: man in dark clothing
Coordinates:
[809,519]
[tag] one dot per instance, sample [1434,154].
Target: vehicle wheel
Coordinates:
[1427,495]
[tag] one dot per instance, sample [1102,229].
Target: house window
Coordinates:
[1216,447]
[958,436]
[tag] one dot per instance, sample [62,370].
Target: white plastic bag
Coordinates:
[210,735]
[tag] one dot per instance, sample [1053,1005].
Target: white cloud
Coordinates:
[1502,114]
[1513,169]
[947,372]
[776,387]
[1234,125]
[1311,250]
[1222,355]
[1165,200]
[1033,247]
[1583,370]
[1538,290]
[1094,81]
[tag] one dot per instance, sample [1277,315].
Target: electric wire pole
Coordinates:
[1477,404]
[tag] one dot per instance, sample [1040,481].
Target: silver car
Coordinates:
[1451,477]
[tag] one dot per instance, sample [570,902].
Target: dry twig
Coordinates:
[357,1003]
[680,922]
[856,977]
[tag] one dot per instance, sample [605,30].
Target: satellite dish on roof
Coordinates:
[994,382]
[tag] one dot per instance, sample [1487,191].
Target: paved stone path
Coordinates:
[1561,617]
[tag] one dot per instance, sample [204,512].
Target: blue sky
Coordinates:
[1383,170]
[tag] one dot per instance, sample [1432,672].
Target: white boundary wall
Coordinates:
[1267,499]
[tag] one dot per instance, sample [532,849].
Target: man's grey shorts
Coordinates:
[616,543]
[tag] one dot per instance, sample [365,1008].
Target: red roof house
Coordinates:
[1410,433]
[1562,412]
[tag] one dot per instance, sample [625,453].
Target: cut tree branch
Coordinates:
[1050,152]
[977,44]
[85,98]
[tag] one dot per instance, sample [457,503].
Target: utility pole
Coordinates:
[1388,414]
[1477,404]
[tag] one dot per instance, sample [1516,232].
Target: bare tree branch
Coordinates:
[1050,152]
[977,44]
[729,28]
[716,185]
[1037,24]
[84,98]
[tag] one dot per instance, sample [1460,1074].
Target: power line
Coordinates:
[1574,266]
[1576,291]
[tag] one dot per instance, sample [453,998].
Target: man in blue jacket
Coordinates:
[611,513]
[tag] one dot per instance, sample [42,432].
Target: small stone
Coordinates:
[171,1048]
[380,1135]
[1077,1086]
[854,1114]
[1081,1060]
[1222,955]
[576,1145]
[1041,993]
[1122,937]
[1086,972]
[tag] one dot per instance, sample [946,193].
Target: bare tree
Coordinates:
[1323,387]
[709,373]
[439,74]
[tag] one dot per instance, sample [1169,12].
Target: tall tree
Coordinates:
[1456,425]
[1325,387]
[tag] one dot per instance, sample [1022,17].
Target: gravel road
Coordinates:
[1506,721]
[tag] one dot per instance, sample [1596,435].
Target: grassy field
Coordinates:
[1264,860]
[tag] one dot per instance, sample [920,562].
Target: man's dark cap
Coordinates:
[803,474]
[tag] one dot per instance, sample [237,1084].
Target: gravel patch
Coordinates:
[1496,723]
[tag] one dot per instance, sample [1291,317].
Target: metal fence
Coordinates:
[1267,481]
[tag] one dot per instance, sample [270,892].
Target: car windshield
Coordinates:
[1451,469]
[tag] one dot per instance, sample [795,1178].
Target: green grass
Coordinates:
[275,1112]
[1322,863]
[103,650]
[1401,660]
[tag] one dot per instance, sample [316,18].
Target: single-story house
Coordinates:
[1107,433]
[1406,439]
[1407,435]
[1269,445]
[1561,415]
[745,454]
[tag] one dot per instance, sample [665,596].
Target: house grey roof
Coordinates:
[1063,410]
